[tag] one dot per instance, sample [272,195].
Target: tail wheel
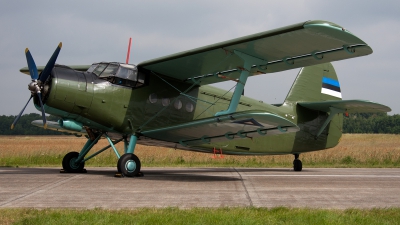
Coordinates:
[297,165]
[129,165]
[70,165]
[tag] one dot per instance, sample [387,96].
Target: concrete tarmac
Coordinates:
[201,187]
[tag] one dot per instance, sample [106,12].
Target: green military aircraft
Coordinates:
[168,101]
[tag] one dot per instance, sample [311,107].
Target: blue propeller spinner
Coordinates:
[38,80]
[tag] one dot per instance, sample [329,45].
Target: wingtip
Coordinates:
[26,50]
[45,126]
[60,45]
[12,126]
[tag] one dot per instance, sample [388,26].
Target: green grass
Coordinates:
[279,215]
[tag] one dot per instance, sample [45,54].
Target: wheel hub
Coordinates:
[130,166]
[73,164]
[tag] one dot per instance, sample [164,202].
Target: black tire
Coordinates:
[129,165]
[297,165]
[69,164]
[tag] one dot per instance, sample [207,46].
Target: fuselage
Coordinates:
[148,101]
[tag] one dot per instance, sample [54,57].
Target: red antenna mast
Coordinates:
[129,51]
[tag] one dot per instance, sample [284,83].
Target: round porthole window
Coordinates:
[165,101]
[189,107]
[178,104]
[153,98]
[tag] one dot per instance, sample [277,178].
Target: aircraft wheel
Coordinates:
[129,165]
[297,165]
[69,164]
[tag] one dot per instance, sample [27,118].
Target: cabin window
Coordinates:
[153,98]
[189,107]
[178,104]
[165,101]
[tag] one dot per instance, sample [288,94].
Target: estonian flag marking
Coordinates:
[331,87]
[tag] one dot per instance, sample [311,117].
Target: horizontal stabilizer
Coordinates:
[247,124]
[350,106]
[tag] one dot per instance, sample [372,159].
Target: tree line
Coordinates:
[355,123]
[372,123]
[24,126]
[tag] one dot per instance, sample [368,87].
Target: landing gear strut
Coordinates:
[297,165]
[128,164]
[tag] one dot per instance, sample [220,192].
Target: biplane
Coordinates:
[168,101]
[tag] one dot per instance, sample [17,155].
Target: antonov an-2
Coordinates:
[168,101]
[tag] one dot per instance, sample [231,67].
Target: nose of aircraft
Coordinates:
[37,84]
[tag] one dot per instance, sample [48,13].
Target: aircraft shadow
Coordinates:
[161,174]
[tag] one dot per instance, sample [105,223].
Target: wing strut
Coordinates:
[249,61]
[332,112]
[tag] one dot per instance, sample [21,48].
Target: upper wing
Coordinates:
[82,68]
[351,106]
[298,45]
[237,125]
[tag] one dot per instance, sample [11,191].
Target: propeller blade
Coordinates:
[31,65]
[43,113]
[50,64]
[19,115]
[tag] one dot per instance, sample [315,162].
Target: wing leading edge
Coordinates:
[298,45]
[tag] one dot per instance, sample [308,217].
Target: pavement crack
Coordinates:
[245,188]
[43,187]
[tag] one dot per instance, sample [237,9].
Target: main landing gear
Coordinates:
[297,165]
[128,164]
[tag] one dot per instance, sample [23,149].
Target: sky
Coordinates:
[94,31]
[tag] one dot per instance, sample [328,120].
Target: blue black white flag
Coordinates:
[331,87]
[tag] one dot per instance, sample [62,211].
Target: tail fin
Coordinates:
[314,84]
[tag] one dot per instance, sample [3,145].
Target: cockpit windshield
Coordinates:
[110,70]
[119,74]
[92,67]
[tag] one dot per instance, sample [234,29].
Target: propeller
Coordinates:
[36,85]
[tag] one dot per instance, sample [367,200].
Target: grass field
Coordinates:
[354,150]
[177,216]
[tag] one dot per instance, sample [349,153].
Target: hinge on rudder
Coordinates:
[216,151]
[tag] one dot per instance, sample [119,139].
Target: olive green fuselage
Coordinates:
[163,102]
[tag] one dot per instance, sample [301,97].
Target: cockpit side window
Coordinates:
[127,73]
[141,78]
